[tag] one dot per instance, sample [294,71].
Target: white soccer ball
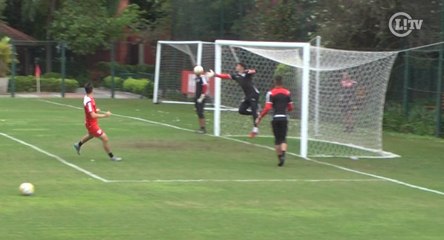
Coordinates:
[198,70]
[26,189]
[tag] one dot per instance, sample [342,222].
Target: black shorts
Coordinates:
[280,130]
[200,107]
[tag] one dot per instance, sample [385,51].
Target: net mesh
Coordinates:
[176,66]
[346,99]
[234,124]
[347,95]
[346,92]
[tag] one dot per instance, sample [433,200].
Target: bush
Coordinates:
[105,68]
[28,84]
[139,86]
[107,82]
[52,75]
[419,120]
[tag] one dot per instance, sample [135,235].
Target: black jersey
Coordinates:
[201,86]
[279,99]
[245,81]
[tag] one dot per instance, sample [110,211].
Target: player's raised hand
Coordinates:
[250,71]
[210,74]
[98,110]
[107,114]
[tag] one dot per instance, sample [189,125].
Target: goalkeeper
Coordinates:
[244,77]
[199,97]
[278,100]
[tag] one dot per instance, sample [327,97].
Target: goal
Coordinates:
[339,95]
[174,78]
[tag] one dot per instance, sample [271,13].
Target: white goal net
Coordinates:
[339,95]
[339,108]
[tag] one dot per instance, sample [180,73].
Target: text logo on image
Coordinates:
[402,24]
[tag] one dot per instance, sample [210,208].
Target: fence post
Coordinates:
[63,66]
[13,69]
[113,68]
[439,94]
[405,95]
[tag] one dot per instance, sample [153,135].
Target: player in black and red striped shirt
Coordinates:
[278,100]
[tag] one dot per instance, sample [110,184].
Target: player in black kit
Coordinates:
[199,97]
[278,100]
[250,105]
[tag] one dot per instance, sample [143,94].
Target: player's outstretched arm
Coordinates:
[250,71]
[100,115]
[211,74]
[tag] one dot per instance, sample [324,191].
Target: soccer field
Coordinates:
[175,184]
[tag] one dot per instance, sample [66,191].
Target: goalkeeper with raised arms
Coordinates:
[278,100]
[244,77]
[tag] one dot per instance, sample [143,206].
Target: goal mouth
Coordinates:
[339,95]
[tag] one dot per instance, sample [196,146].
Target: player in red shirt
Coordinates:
[278,100]
[91,123]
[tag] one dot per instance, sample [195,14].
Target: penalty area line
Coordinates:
[405,184]
[242,180]
[61,160]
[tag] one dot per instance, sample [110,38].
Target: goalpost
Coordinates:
[339,95]
[224,47]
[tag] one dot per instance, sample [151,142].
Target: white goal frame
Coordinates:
[305,47]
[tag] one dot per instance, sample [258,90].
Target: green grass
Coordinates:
[69,204]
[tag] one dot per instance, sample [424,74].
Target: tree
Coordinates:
[155,19]
[31,16]
[88,25]
[205,19]
[2,7]
[279,20]
[363,24]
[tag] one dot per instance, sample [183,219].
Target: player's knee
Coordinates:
[105,138]
[243,111]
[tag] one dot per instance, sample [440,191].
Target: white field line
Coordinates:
[413,186]
[243,180]
[61,160]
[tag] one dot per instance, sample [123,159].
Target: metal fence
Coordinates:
[47,67]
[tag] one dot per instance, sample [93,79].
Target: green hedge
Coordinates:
[107,82]
[139,86]
[420,120]
[52,75]
[28,84]
[105,68]
[142,86]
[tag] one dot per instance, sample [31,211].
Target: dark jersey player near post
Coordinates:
[278,100]
[244,77]
[199,97]
[91,123]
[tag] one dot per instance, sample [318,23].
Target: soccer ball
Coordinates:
[198,70]
[26,189]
